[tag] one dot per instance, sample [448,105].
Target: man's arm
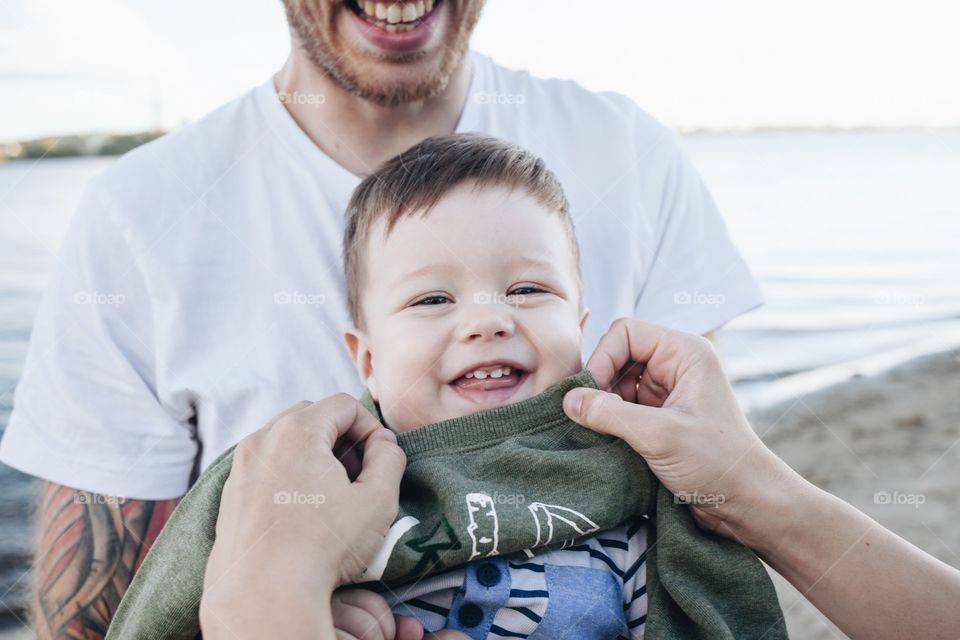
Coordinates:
[86,550]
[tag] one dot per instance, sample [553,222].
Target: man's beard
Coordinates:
[309,29]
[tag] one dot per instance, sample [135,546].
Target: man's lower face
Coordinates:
[386,52]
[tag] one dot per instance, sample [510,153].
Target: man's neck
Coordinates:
[358,134]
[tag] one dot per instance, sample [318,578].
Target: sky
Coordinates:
[125,65]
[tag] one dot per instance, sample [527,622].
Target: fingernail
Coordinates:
[572,403]
[390,435]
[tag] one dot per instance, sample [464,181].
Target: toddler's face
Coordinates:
[471,307]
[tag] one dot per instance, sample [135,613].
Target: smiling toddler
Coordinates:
[464,287]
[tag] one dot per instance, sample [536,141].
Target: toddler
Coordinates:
[463,285]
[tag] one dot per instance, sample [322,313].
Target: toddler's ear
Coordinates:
[358,347]
[583,319]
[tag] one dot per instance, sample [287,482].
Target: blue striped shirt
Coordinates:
[593,589]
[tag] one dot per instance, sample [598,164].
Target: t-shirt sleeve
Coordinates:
[696,280]
[86,411]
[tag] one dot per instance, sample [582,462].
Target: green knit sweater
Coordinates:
[574,482]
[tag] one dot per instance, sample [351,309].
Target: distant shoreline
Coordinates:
[740,131]
[76,145]
[115,144]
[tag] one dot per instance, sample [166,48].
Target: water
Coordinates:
[855,237]
[36,201]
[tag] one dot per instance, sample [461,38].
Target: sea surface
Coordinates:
[855,238]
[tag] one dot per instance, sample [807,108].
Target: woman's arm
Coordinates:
[870,582]
[672,403]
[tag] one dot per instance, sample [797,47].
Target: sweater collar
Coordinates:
[485,427]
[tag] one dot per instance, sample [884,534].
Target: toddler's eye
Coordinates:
[431,300]
[525,291]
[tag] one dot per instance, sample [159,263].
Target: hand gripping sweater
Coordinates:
[575,483]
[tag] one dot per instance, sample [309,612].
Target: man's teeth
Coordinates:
[397,14]
[481,374]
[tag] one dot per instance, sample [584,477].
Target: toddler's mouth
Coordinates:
[492,383]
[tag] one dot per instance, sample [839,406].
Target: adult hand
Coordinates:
[294,524]
[665,393]
[672,403]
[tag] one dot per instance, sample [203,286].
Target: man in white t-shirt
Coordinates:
[199,291]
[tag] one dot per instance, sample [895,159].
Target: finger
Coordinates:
[627,340]
[363,614]
[351,420]
[626,388]
[350,456]
[408,628]
[355,623]
[631,373]
[339,416]
[447,634]
[653,391]
[383,465]
[608,413]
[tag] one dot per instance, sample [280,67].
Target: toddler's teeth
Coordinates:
[496,373]
[480,375]
[469,375]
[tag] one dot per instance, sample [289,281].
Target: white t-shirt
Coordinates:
[199,291]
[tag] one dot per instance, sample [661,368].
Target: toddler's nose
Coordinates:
[487,322]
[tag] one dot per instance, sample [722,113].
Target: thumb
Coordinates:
[608,413]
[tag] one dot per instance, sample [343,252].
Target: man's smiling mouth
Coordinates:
[394,17]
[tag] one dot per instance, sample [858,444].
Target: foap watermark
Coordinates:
[699,298]
[99,298]
[488,297]
[898,498]
[300,298]
[899,299]
[297,498]
[500,99]
[85,497]
[514,499]
[310,99]
[697,499]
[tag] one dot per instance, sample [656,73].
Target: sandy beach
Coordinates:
[890,445]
